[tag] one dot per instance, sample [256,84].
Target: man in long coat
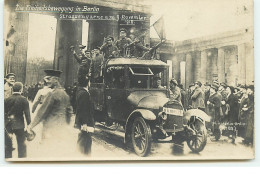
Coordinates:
[198,97]
[214,105]
[249,111]
[56,111]
[84,117]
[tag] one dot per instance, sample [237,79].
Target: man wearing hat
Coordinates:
[10,80]
[198,97]
[206,91]
[123,42]
[55,111]
[248,110]
[108,48]
[175,93]
[16,107]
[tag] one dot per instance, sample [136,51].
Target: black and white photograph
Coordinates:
[109,80]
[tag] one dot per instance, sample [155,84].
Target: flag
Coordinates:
[159,28]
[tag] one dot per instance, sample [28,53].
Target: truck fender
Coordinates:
[197,114]
[146,114]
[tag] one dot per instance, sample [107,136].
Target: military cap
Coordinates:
[52,72]
[191,85]
[122,29]
[110,37]
[216,82]
[215,86]
[251,87]
[174,81]
[17,86]
[82,46]
[242,86]
[199,83]
[207,84]
[224,85]
[9,74]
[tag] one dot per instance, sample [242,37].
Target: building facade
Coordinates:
[227,57]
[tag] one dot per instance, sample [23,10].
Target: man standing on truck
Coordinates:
[123,42]
[108,48]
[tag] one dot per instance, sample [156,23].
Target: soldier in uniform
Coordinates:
[84,59]
[175,93]
[55,112]
[10,80]
[123,42]
[96,66]
[109,49]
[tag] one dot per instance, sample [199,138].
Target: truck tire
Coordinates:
[141,137]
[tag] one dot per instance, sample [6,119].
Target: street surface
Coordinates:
[109,145]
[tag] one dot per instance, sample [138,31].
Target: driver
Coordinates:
[175,93]
[158,82]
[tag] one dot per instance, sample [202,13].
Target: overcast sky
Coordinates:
[186,19]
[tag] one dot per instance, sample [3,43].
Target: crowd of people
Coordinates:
[53,105]
[231,108]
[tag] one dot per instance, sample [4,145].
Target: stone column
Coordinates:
[249,62]
[203,66]
[197,66]
[241,64]
[188,70]
[221,65]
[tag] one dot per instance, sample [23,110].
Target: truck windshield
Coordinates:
[146,77]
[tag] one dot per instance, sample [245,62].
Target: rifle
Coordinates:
[149,54]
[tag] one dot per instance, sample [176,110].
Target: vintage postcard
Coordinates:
[124,80]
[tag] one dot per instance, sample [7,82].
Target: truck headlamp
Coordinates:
[162,115]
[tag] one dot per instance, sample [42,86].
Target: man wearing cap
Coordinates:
[10,80]
[198,97]
[55,111]
[175,93]
[84,120]
[158,82]
[16,107]
[189,94]
[96,66]
[123,42]
[214,104]
[248,110]
[108,48]
[84,59]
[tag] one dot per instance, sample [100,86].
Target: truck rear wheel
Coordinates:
[141,137]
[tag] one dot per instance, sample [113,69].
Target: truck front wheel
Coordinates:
[141,137]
